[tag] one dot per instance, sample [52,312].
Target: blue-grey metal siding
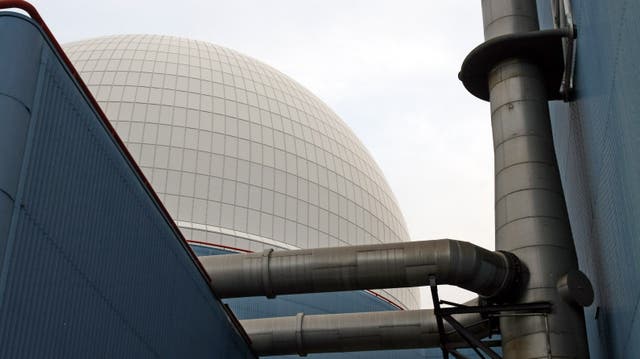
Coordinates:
[597,140]
[89,264]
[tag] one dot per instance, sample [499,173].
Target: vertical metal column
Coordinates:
[531,216]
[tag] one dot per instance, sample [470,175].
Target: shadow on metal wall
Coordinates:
[91,265]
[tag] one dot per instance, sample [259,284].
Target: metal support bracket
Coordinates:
[436,310]
[487,311]
[553,50]
[475,343]
[543,48]
[563,19]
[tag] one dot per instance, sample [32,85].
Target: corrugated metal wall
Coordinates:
[597,139]
[89,265]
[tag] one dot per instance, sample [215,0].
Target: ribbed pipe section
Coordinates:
[531,216]
[390,265]
[305,334]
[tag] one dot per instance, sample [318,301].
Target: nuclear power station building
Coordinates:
[242,156]
[244,159]
[166,197]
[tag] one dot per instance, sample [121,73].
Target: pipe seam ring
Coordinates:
[512,277]
[299,341]
[266,273]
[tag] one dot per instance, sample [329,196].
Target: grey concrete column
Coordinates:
[531,216]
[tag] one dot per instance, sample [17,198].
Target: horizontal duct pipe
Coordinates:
[378,266]
[329,333]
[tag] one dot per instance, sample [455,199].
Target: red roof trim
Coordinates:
[219,246]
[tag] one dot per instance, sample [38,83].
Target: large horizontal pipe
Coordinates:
[305,334]
[379,266]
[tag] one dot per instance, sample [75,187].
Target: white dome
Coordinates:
[241,155]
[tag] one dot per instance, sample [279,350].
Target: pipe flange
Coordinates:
[543,48]
[513,283]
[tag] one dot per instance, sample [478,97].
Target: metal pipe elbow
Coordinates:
[495,275]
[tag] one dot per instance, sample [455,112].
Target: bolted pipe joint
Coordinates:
[514,280]
[493,275]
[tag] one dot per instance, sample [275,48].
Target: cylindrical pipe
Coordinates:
[305,334]
[378,266]
[531,217]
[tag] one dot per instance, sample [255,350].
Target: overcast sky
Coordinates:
[387,68]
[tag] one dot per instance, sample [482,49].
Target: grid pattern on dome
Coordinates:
[240,154]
